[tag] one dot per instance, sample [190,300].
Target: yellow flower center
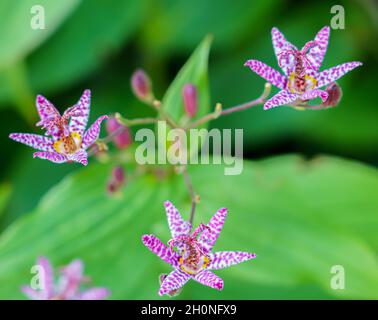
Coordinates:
[69,144]
[301,84]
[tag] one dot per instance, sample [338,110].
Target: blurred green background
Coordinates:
[302,218]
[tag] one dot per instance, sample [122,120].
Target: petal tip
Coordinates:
[167,204]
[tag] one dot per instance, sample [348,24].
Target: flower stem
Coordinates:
[219,112]
[188,182]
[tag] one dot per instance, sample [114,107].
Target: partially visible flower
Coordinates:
[194,258]
[334,95]
[302,80]
[189,95]
[69,140]
[121,136]
[141,85]
[68,286]
[117,179]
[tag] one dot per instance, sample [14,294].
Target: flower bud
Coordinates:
[118,175]
[122,137]
[334,95]
[141,85]
[117,180]
[189,95]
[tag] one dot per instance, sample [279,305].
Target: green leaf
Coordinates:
[90,37]
[16,33]
[195,71]
[5,192]
[300,217]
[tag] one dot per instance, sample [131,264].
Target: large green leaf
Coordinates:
[194,71]
[300,217]
[16,34]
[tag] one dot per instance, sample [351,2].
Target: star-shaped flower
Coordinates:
[302,80]
[67,288]
[194,258]
[68,139]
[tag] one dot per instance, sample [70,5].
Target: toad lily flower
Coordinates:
[302,80]
[194,257]
[68,286]
[68,139]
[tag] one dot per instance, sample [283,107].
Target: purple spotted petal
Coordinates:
[175,280]
[314,94]
[280,44]
[176,224]
[33,294]
[46,110]
[161,250]
[33,140]
[94,294]
[268,73]
[79,122]
[80,156]
[91,135]
[210,236]
[281,98]
[74,270]
[224,259]
[48,277]
[330,75]
[51,156]
[316,54]
[210,279]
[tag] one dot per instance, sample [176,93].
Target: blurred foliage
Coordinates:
[309,227]
[97,44]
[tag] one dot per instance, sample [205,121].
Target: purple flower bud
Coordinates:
[118,175]
[334,95]
[141,85]
[122,137]
[189,95]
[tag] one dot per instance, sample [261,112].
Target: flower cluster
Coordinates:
[194,258]
[66,139]
[68,286]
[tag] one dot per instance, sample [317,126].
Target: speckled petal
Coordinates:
[161,250]
[224,259]
[175,280]
[176,224]
[94,294]
[281,44]
[80,156]
[268,73]
[314,94]
[210,236]
[34,140]
[91,135]
[32,294]
[316,54]
[210,279]
[79,123]
[48,277]
[74,270]
[281,98]
[330,75]
[51,156]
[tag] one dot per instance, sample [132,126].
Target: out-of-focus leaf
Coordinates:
[229,23]
[17,36]
[90,36]
[195,72]
[301,218]
[5,192]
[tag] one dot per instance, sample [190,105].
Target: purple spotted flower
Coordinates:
[66,139]
[302,79]
[194,258]
[68,286]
